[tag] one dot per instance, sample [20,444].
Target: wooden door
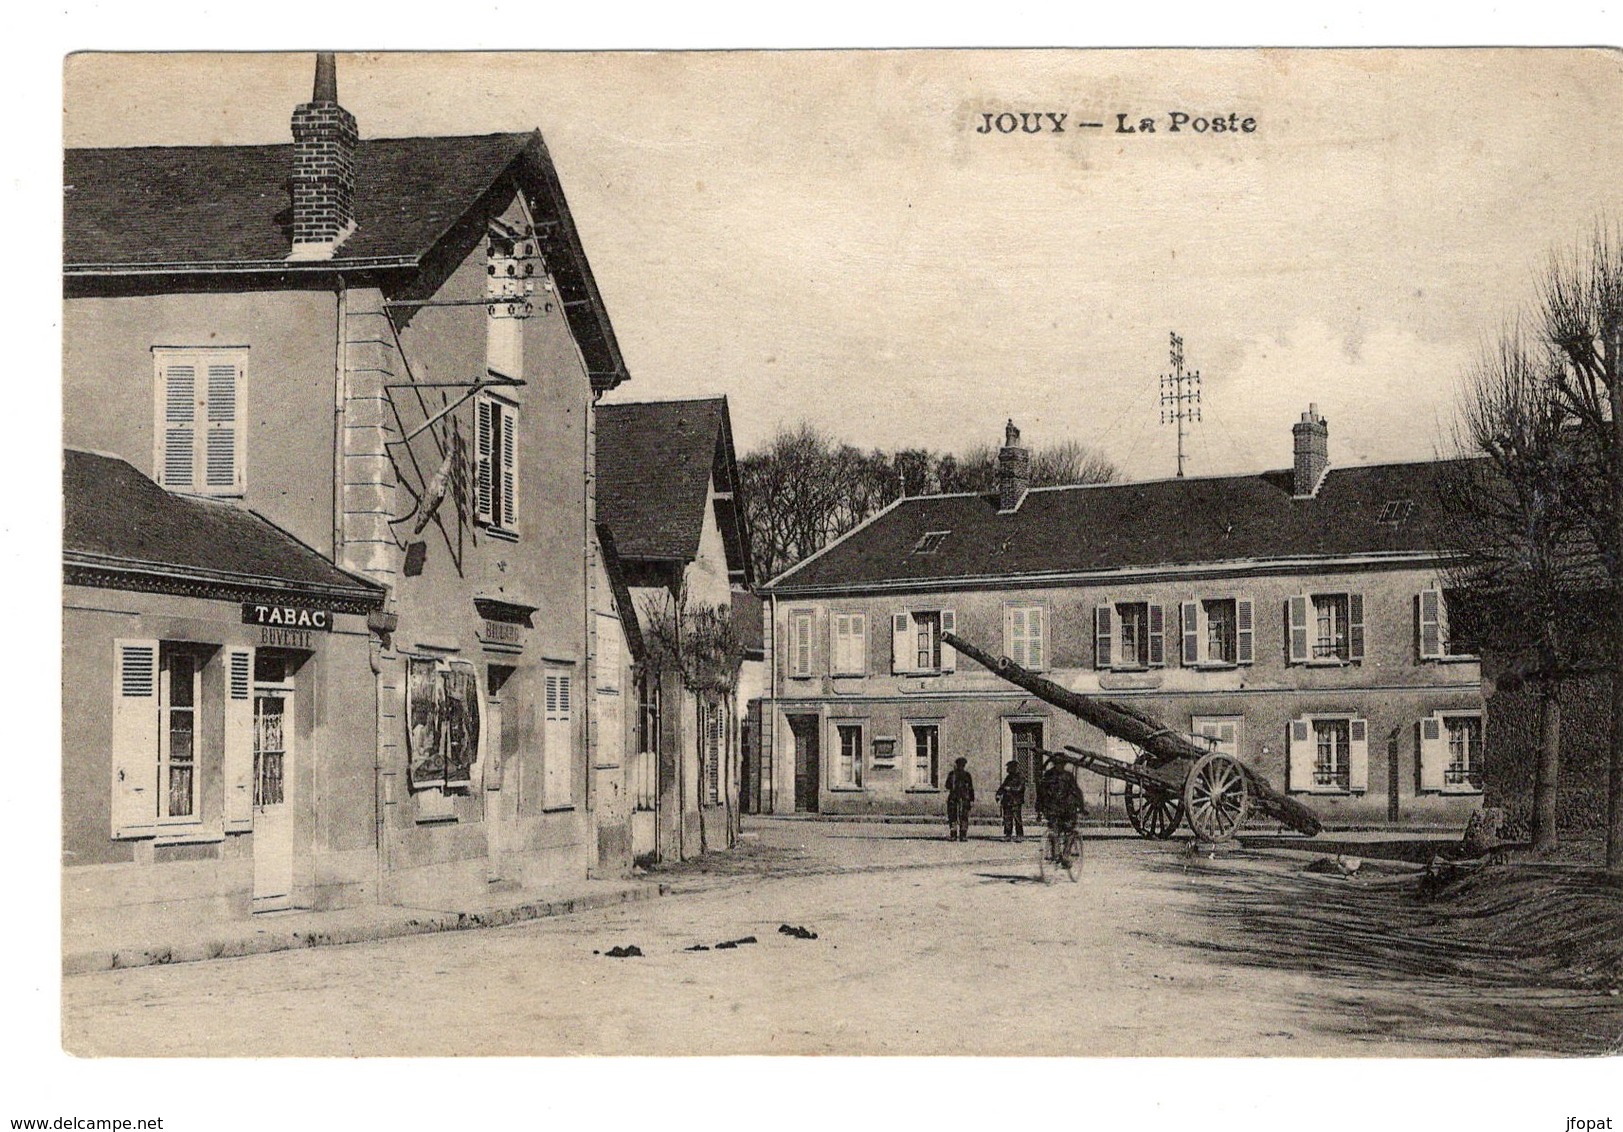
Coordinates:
[273,798]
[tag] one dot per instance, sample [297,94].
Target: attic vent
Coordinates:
[1396,511]
[931,542]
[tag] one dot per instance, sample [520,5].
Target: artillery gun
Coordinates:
[1174,780]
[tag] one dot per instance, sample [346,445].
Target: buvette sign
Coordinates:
[287,617]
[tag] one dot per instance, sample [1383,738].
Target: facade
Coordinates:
[666,480]
[389,350]
[1292,618]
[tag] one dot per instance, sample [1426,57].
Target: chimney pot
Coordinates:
[1013,470]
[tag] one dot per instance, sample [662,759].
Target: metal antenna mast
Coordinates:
[1180,396]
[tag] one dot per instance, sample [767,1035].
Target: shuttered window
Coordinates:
[201,404]
[1450,747]
[1325,628]
[800,642]
[849,651]
[1328,754]
[495,442]
[1023,628]
[558,741]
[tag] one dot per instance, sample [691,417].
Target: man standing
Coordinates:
[960,794]
[1012,795]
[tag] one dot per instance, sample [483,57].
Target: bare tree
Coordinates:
[1581,303]
[1525,565]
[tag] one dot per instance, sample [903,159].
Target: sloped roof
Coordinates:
[615,569]
[747,623]
[178,210]
[655,462]
[1148,526]
[117,520]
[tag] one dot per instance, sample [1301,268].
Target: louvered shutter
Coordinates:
[1299,757]
[178,428]
[1191,633]
[1036,637]
[135,738]
[558,740]
[858,643]
[1429,628]
[1158,635]
[239,739]
[509,467]
[1358,756]
[1101,636]
[1355,626]
[949,655]
[1014,635]
[222,446]
[1296,609]
[1244,632]
[1433,753]
[484,485]
[901,643]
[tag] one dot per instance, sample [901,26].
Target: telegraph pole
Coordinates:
[1180,396]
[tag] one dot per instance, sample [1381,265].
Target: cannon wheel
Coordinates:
[1153,814]
[1214,797]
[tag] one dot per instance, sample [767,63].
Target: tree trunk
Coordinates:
[1614,790]
[1548,772]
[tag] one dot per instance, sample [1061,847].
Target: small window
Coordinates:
[178,691]
[1464,767]
[848,756]
[1330,761]
[1396,511]
[927,641]
[496,460]
[201,410]
[1220,630]
[931,542]
[1219,733]
[800,642]
[926,755]
[1025,634]
[1330,626]
[850,644]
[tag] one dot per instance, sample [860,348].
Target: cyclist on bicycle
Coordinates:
[1060,798]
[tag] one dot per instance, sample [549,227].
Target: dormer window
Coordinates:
[931,542]
[1396,511]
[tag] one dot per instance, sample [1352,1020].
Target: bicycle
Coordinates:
[1062,847]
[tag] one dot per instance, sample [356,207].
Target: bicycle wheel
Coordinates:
[1071,856]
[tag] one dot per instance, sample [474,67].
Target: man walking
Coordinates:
[960,794]
[1012,796]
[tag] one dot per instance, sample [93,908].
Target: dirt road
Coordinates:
[923,947]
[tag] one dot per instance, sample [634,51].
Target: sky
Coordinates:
[825,236]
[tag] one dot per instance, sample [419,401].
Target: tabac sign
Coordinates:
[287,625]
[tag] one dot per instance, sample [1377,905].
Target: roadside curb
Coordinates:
[231,947]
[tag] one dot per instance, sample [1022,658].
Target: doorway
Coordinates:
[808,762]
[273,797]
[1025,743]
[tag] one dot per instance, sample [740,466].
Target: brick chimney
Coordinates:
[1013,470]
[1312,435]
[324,143]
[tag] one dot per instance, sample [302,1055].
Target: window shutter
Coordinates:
[222,456]
[558,739]
[1358,756]
[1299,756]
[1191,633]
[1296,627]
[1014,635]
[1036,628]
[509,463]
[836,649]
[901,643]
[483,409]
[1355,626]
[1433,753]
[239,739]
[1428,613]
[800,625]
[1158,635]
[135,737]
[949,655]
[1101,636]
[178,427]
[1244,632]
[858,643]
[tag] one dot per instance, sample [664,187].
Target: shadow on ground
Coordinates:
[1465,966]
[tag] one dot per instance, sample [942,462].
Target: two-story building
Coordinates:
[385,352]
[667,473]
[1293,618]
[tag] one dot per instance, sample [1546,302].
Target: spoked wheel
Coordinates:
[1070,855]
[1214,796]
[1153,814]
